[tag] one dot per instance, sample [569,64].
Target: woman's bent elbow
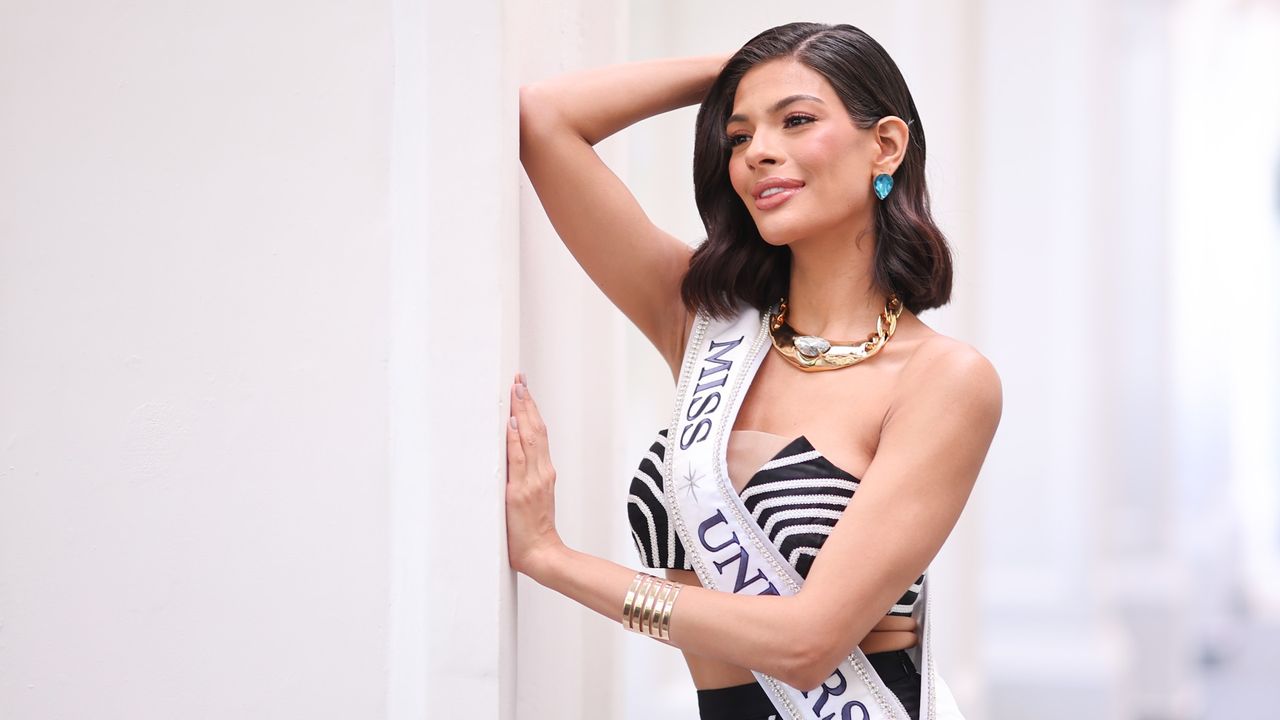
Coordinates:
[528,99]
[535,109]
[808,668]
[808,679]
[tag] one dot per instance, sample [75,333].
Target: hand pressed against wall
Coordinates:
[531,483]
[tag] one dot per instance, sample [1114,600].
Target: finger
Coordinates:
[515,448]
[537,445]
[532,430]
[535,415]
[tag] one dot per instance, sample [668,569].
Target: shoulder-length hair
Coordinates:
[735,264]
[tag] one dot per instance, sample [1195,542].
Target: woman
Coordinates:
[809,176]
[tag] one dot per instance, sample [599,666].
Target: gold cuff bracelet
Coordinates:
[648,604]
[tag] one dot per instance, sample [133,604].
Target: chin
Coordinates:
[782,229]
[779,235]
[777,240]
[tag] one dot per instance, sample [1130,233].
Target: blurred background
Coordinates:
[267,269]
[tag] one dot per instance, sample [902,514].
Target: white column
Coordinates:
[1145,574]
[1048,633]
[453,350]
[1223,269]
[568,656]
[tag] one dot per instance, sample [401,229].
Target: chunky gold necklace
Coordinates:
[812,353]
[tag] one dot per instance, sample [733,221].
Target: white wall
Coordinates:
[194,256]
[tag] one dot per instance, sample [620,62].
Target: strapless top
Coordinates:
[796,497]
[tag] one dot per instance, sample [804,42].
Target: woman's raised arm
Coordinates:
[638,266]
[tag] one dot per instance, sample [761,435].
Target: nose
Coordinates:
[761,150]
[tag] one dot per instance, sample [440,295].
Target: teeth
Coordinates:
[771,191]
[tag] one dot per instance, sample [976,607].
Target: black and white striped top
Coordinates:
[796,499]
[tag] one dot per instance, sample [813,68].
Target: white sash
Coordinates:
[728,549]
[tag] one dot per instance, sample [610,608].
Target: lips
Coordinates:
[772,192]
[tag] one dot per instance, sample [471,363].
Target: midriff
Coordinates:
[891,633]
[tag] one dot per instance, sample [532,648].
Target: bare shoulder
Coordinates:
[951,375]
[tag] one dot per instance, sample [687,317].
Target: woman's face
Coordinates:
[798,162]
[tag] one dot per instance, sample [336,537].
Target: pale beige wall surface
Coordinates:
[193,338]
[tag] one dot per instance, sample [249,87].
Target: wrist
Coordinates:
[543,560]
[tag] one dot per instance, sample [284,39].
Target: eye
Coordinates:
[791,121]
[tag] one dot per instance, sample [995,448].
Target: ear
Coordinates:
[892,137]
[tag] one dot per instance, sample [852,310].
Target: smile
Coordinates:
[775,196]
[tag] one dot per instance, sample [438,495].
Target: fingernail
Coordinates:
[520,391]
[512,422]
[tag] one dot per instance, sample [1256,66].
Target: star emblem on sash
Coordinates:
[689,481]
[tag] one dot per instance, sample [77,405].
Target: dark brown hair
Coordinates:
[735,264]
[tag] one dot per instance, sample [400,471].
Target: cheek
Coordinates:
[833,155]
[838,167]
[738,175]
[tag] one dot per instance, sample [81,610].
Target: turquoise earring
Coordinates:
[883,184]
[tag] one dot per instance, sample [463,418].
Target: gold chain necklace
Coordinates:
[812,353]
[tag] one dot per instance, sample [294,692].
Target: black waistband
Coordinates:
[740,702]
[892,666]
[749,701]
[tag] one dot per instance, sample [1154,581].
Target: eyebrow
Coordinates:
[776,106]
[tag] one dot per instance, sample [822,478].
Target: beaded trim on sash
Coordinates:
[698,433]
